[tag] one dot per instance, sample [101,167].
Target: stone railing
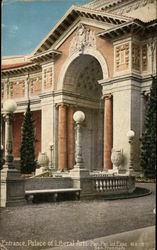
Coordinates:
[111,184]
[102,184]
[90,186]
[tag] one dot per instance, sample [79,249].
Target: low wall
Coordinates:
[48,183]
[90,185]
[105,185]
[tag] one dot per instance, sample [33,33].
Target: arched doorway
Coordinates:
[82,79]
[80,83]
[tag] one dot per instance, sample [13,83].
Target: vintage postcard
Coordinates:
[78,125]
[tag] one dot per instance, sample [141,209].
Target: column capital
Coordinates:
[66,105]
[61,104]
[106,96]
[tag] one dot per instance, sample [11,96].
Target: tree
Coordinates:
[149,136]
[27,149]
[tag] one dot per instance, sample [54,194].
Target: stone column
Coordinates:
[12,185]
[62,137]
[71,110]
[79,117]
[108,131]
[56,137]
[8,141]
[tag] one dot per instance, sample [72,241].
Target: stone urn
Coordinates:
[116,158]
[43,161]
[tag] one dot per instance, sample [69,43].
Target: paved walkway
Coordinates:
[45,226]
[139,239]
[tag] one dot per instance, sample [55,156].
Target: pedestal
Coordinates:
[12,184]
[12,188]
[79,172]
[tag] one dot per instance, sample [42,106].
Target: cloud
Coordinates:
[3,26]
[14,27]
[10,29]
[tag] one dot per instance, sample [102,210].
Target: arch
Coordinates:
[87,51]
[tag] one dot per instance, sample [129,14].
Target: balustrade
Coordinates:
[111,184]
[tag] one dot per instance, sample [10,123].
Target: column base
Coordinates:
[79,172]
[12,188]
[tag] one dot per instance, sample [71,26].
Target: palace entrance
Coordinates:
[82,91]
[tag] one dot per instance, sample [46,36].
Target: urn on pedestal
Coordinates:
[117,159]
[43,163]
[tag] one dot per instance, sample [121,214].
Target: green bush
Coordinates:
[149,136]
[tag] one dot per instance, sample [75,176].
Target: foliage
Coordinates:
[149,136]
[27,149]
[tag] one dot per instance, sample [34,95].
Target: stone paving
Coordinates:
[41,226]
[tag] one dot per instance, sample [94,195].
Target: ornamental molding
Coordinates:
[133,6]
[84,38]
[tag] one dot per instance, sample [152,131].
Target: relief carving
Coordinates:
[35,85]
[11,89]
[135,56]
[17,89]
[122,57]
[144,57]
[83,38]
[2,89]
[48,78]
[133,6]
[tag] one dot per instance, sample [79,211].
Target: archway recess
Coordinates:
[80,79]
[95,54]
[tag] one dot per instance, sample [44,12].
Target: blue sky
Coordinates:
[26,22]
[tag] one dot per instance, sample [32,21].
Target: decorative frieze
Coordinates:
[17,89]
[47,78]
[122,57]
[135,56]
[134,6]
[84,38]
[144,57]
[35,85]
[2,89]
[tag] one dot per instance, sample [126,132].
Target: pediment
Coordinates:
[70,21]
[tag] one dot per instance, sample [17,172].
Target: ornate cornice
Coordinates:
[23,69]
[45,56]
[132,27]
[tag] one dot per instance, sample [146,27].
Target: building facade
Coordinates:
[99,58]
